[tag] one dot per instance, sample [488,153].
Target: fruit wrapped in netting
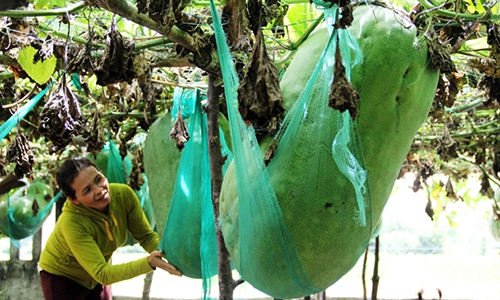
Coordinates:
[181,187]
[297,225]
[22,214]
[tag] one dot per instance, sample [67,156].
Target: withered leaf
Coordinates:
[429,210]
[94,134]
[450,192]
[446,147]
[61,117]
[35,208]
[136,178]
[19,152]
[440,54]
[179,131]
[117,64]
[271,151]
[45,52]
[259,95]
[417,183]
[485,185]
[491,86]
[343,96]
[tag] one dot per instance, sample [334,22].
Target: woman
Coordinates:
[92,225]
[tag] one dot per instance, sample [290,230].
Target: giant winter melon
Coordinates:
[27,211]
[161,161]
[180,212]
[396,87]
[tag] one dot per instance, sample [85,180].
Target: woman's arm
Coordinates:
[138,224]
[90,258]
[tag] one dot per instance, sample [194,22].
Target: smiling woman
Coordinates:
[93,224]
[90,189]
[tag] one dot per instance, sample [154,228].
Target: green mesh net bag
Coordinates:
[22,214]
[189,240]
[297,225]
[21,113]
[181,237]
[314,141]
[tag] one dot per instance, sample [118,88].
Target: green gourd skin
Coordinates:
[396,87]
[161,162]
[21,201]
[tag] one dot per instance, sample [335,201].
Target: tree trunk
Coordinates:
[237,27]
[226,284]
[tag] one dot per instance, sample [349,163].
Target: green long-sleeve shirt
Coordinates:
[84,239]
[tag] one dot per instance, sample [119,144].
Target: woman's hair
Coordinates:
[68,171]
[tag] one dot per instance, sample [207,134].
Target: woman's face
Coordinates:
[91,189]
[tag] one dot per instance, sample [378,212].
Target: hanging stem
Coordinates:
[375,278]
[226,283]
[363,274]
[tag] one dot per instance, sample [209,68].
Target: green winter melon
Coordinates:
[28,216]
[396,87]
[161,161]
[181,218]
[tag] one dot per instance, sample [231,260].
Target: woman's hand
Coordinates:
[156,261]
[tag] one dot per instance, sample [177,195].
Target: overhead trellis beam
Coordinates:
[120,7]
[123,8]
[43,12]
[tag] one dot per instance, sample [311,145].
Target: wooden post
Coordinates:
[226,282]
[146,289]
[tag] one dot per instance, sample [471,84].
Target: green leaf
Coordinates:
[39,72]
[472,8]
[120,24]
[495,9]
[300,16]
[41,4]
[48,4]
[58,3]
